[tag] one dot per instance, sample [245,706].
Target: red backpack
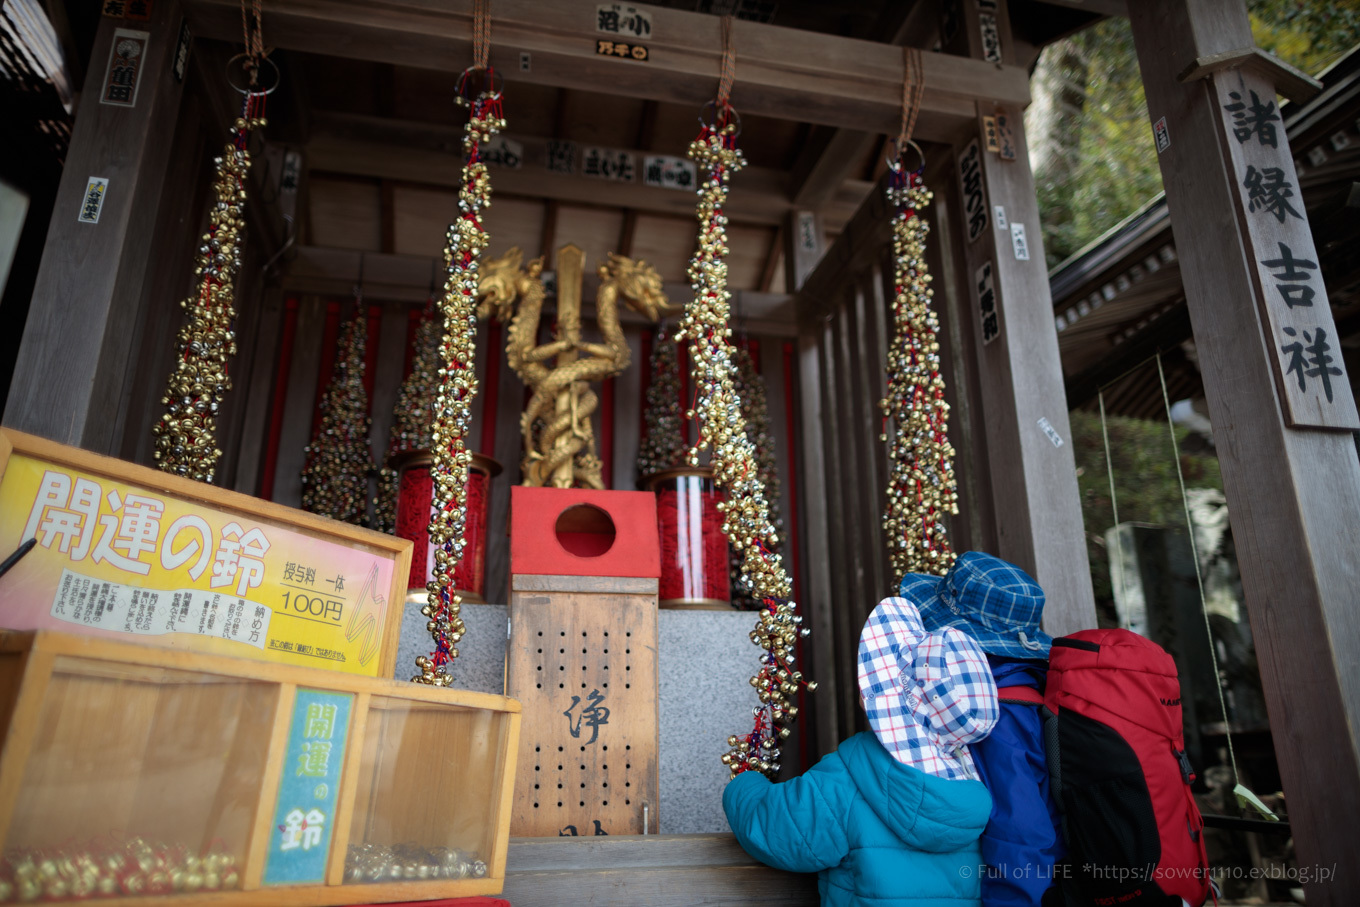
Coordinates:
[1116,752]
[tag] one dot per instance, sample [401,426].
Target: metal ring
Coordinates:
[248,90]
[732,111]
[898,152]
[490,74]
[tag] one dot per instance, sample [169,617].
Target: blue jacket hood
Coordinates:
[1016,672]
[928,813]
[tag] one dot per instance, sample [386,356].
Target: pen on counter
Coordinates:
[16,556]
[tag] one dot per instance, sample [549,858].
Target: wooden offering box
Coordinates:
[151,775]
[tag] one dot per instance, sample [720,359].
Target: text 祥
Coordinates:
[1310,358]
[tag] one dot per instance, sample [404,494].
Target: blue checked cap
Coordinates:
[992,600]
[927,695]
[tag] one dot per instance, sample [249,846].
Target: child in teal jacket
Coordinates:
[892,818]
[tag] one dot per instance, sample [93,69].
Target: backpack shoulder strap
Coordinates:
[1021,695]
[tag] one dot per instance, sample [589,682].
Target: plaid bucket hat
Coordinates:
[927,695]
[992,600]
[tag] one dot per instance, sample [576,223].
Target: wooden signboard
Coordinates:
[582,659]
[135,554]
[1296,317]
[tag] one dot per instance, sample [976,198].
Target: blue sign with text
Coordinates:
[299,842]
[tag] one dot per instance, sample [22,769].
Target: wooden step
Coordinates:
[655,870]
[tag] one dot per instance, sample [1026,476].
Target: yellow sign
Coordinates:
[128,552]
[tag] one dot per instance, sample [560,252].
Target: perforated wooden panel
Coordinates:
[582,662]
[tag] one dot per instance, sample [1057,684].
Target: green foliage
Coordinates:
[1308,34]
[1113,174]
[1145,483]
[1104,167]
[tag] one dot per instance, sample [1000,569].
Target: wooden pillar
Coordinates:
[1035,498]
[1290,470]
[75,358]
[803,248]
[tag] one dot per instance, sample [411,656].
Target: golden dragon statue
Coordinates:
[559,443]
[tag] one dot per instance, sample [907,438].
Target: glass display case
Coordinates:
[435,830]
[694,551]
[134,772]
[415,493]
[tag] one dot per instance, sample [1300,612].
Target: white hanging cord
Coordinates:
[1244,796]
[1114,498]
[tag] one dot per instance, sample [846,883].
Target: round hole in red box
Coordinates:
[585,530]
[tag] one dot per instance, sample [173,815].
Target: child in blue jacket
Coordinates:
[1000,606]
[892,818]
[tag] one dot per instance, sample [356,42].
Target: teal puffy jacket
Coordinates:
[879,832]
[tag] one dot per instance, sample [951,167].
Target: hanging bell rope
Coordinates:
[722,427]
[253,37]
[913,87]
[481,33]
[921,488]
[728,71]
[186,434]
[466,240]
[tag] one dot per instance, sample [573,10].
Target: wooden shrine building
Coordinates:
[355,182]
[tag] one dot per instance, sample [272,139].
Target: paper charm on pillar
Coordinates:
[559,442]
[466,240]
[755,410]
[339,460]
[663,433]
[186,435]
[921,487]
[723,428]
[411,418]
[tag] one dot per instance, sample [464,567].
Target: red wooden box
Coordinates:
[581,532]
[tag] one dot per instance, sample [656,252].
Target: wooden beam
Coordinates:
[857,245]
[783,73]
[387,211]
[626,233]
[547,242]
[378,148]
[1294,493]
[1290,81]
[804,248]
[60,18]
[1026,430]
[823,167]
[327,271]
[646,134]
[767,270]
[1112,8]
[77,349]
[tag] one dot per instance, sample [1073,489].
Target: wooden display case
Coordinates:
[146,774]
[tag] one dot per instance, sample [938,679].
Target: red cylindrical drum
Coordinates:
[694,570]
[415,496]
